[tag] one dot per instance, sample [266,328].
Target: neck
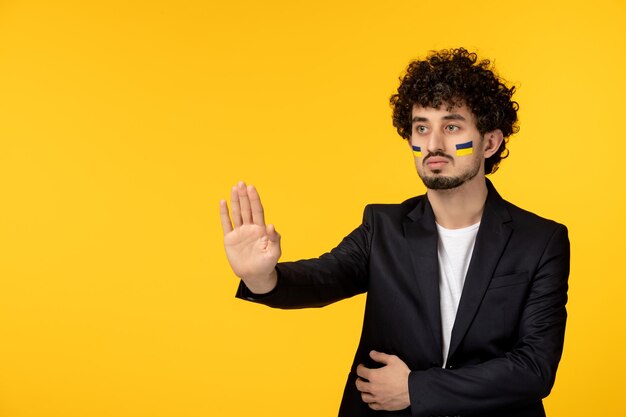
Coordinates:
[461,206]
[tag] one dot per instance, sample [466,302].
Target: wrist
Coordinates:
[263,285]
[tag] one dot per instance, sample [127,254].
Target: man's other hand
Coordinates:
[385,388]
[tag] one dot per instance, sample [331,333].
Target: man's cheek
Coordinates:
[464,149]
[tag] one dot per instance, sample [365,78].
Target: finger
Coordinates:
[367,398]
[380,357]
[272,234]
[235,207]
[244,201]
[363,372]
[375,406]
[258,216]
[227,227]
[362,385]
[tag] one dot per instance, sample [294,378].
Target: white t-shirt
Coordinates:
[454,250]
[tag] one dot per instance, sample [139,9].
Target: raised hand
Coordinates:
[252,248]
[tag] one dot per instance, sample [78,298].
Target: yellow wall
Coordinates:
[122,124]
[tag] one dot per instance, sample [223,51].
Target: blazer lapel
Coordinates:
[420,233]
[493,235]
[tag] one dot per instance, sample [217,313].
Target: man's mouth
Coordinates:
[435,162]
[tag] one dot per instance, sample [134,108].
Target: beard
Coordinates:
[437,182]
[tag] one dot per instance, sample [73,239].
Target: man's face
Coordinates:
[447,146]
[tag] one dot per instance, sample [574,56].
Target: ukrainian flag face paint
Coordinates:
[417,151]
[463,149]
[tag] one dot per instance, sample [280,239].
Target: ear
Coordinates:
[492,141]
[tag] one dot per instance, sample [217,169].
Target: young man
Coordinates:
[466,293]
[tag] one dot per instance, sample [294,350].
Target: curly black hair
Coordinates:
[455,77]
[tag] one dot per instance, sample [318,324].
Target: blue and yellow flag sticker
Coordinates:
[463,149]
[417,151]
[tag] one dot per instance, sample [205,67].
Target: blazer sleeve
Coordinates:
[338,274]
[525,374]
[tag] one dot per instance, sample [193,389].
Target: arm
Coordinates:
[253,250]
[338,274]
[522,376]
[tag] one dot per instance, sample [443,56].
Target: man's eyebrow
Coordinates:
[453,116]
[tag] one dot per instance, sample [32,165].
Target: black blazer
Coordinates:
[508,334]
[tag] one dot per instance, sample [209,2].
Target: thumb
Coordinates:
[380,357]
[272,234]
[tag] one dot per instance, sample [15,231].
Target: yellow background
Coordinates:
[123,123]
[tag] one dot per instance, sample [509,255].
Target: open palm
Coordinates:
[252,247]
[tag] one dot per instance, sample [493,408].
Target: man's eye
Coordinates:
[421,129]
[452,128]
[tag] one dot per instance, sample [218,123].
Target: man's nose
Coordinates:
[435,142]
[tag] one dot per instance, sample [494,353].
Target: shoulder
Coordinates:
[525,218]
[534,230]
[519,218]
[396,211]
